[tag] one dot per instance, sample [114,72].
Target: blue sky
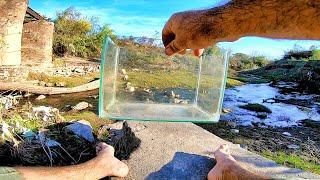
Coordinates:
[145,17]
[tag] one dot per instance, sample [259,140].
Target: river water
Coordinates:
[283,115]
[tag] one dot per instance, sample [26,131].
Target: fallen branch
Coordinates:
[27,87]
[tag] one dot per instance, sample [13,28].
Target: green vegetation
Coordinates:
[78,36]
[17,119]
[306,73]
[240,61]
[256,107]
[59,62]
[293,160]
[89,116]
[163,79]
[315,55]
[32,124]
[69,81]
[233,82]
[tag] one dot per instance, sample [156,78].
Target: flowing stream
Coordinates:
[283,114]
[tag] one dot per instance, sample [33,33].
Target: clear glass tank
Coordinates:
[142,83]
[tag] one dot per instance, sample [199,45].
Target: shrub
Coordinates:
[240,61]
[76,35]
[315,55]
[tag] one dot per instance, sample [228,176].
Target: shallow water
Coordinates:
[283,115]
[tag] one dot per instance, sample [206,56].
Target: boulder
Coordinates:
[81,106]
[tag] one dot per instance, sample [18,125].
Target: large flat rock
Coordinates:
[183,151]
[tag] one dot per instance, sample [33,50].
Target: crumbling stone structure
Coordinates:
[12,15]
[37,38]
[25,37]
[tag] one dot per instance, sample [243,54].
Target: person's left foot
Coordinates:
[106,164]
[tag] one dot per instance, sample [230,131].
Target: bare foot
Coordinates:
[228,168]
[106,164]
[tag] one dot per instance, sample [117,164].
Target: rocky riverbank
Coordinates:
[36,134]
[297,146]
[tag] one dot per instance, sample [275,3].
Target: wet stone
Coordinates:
[41,97]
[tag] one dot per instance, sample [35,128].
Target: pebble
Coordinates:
[41,97]
[94,96]
[176,101]
[6,102]
[243,146]
[60,84]
[184,102]
[293,146]
[286,134]
[81,106]
[128,85]
[146,90]
[131,89]
[123,71]
[231,124]
[44,112]
[90,69]
[172,94]
[269,101]
[78,70]
[126,77]
[27,95]
[235,131]
[225,110]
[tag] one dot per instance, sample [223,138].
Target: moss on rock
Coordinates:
[256,107]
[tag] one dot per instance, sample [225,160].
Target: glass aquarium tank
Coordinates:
[139,82]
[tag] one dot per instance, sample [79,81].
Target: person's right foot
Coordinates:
[224,166]
[227,168]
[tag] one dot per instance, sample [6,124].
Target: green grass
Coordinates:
[89,116]
[256,107]
[233,82]
[166,79]
[174,79]
[32,124]
[293,160]
[70,81]
[59,62]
